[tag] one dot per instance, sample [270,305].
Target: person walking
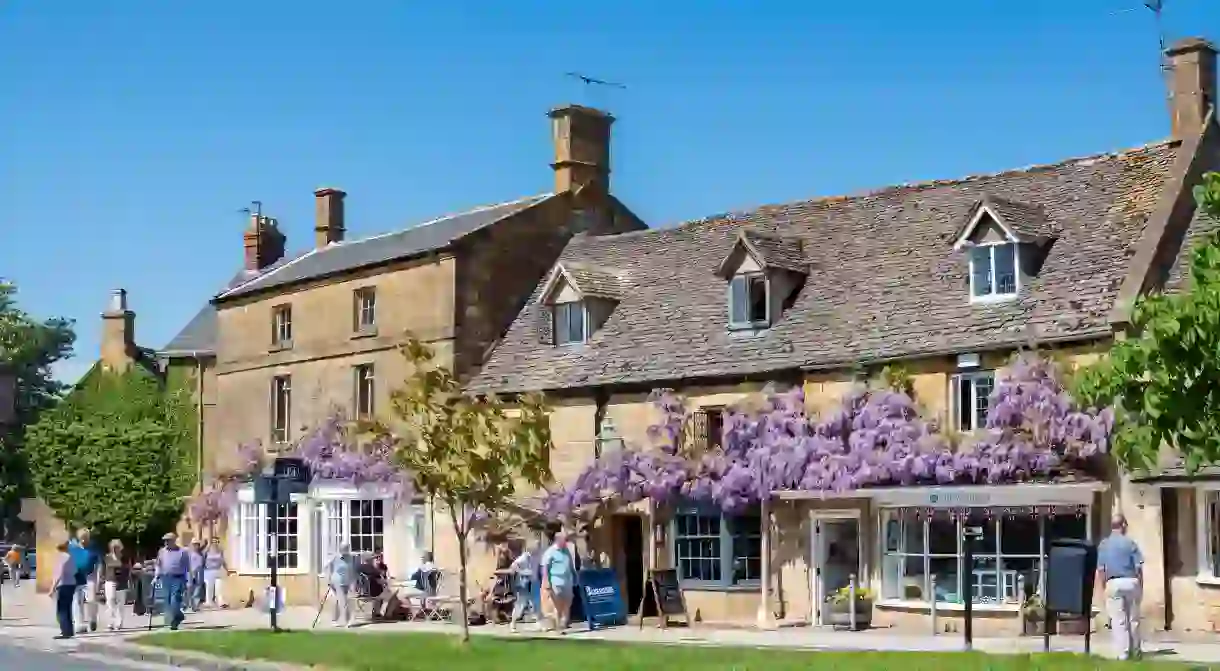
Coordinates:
[558,579]
[342,575]
[215,570]
[14,560]
[1120,573]
[115,577]
[88,570]
[63,589]
[173,566]
[194,579]
[523,570]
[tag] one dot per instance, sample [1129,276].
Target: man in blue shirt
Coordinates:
[559,579]
[1120,572]
[88,565]
[173,566]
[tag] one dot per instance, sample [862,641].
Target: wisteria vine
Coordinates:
[332,454]
[874,437]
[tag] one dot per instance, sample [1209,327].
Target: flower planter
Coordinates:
[839,614]
[1072,625]
[1034,626]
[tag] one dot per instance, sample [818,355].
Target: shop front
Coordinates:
[904,547]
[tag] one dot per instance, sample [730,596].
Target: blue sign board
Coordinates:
[601,601]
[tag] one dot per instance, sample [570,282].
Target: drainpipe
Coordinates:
[199,421]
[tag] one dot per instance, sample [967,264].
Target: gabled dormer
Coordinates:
[1005,242]
[577,300]
[763,273]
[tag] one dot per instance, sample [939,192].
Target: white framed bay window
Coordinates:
[359,524]
[923,557]
[260,540]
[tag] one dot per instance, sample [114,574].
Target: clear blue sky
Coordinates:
[132,132]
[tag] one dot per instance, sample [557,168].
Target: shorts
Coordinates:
[563,590]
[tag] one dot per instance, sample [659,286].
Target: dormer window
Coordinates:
[571,323]
[993,271]
[1004,241]
[764,272]
[749,302]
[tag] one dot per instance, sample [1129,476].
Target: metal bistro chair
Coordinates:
[362,595]
[440,596]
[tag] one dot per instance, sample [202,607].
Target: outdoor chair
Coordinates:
[440,596]
[362,595]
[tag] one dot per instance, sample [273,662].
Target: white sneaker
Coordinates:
[349,624]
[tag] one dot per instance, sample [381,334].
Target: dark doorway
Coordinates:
[631,531]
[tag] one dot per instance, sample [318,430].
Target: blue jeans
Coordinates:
[175,589]
[64,596]
[194,590]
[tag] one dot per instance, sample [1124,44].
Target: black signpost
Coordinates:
[969,537]
[289,475]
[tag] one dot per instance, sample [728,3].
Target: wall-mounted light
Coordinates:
[608,441]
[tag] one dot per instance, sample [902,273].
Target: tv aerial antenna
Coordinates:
[594,87]
[256,209]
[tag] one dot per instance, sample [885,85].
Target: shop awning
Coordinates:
[966,496]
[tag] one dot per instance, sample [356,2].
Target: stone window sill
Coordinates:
[365,333]
[1207,579]
[279,347]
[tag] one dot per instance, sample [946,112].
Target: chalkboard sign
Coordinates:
[665,593]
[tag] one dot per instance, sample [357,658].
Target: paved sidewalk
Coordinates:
[30,616]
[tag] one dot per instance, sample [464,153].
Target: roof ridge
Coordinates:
[473,210]
[1087,159]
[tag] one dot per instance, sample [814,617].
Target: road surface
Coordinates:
[26,659]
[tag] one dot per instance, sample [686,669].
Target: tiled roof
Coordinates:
[884,280]
[199,335]
[350,255]
[595,282]
[1026,220]
[775,251]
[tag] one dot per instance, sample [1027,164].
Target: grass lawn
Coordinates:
[438,652]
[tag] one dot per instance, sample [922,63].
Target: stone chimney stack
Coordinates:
[328,216]
[263,241]
[118,333]
[582,147]
[1192,85]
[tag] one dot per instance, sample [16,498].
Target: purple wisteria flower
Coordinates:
[873,437]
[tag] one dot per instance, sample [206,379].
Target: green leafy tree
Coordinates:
[467,453]
[1164,380]
[28,348]
[116,455]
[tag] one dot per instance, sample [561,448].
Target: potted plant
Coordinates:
[1033,612]
[839,608]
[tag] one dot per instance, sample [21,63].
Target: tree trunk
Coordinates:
[461,530]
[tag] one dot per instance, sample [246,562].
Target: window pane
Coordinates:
[576,322]
[562,335]
[984,384]
[1020,540]
[984,574]
[697,547]
[1005,268]
[980,270]
[366,530]
[963,404]
[1213,531]
[747,548]
[943,564]
[739,301]
[758,299]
